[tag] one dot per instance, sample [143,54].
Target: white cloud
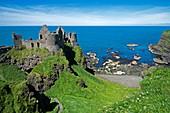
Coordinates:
[39,15]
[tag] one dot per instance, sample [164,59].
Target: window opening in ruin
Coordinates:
[38,44]
[41,37]
[32,45]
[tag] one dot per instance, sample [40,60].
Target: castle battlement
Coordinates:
[50,40]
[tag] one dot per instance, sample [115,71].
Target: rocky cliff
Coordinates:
[162,49]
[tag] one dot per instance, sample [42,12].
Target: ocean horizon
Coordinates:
[98,39]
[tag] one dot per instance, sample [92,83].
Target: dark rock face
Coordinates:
[162,49]
[26,65]
[42,83]
[4,49]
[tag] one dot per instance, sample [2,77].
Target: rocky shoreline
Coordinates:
[116,65]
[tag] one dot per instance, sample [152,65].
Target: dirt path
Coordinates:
[125,80]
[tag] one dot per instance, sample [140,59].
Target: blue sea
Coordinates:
[98,38]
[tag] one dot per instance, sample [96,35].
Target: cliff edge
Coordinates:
[162,49]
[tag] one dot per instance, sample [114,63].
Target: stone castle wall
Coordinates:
[33,44]
[50,40]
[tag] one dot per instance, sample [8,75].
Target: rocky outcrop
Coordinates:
[111,67]
[28,63]
[91,60]
[115,65]
[4,49]
[162,49]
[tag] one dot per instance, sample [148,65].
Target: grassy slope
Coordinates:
[14,96]
[47,66]
[11,74]
[76,99]
[20,54]
[153,98]
[167,32]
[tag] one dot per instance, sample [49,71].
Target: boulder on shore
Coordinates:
[134,62]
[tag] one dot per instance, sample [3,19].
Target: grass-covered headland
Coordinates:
[61,76]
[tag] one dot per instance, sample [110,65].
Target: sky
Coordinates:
[85,12]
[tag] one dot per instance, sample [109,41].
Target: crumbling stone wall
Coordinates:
[44,32]
[50,40]
[73,40]
[30,44]
[17,40]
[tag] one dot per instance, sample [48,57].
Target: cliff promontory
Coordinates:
[162,49]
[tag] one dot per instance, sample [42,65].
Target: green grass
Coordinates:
[47,67]
[76,99]
[24,100]
[161,48]
[11,74]
[6,99]
[167,32]
[153,98]
[79,57]
[167,42]
[20,54]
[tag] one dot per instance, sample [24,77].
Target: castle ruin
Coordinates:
[50,40]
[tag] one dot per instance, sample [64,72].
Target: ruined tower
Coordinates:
[17,40]
[51,42]
[73,39]
[44,32]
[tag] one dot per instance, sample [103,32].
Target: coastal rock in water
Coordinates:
[137,57]
[92,55]
[115,55]
[132,45]
[162,49]
[159,61]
